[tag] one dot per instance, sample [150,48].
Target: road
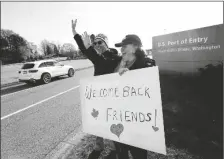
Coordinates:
[35,119]
[9,73]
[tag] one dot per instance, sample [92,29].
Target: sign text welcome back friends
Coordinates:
[126,108]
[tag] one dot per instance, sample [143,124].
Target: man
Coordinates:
[92,47]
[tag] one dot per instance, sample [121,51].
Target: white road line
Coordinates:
[23,90]
[39,102]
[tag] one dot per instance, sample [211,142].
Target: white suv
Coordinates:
[43,70]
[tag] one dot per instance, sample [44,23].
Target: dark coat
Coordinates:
[108,61]
[103,64]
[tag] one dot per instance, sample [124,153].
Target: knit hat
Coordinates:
[103,38]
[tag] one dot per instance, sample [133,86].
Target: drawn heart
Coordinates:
[155,128]
[95,113]
[117,129]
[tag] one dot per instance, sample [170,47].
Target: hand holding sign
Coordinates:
[123,70]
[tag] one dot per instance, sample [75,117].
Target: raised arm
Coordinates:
[84,44]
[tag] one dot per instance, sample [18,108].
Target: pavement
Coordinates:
[63,149]
[44,121]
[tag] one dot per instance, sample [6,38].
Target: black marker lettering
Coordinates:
[134,116]
[146,89]
[133,91]
[101,91]
[139,92]
[121,115]
[126,90]
[88,92]
[116,91]
[94,93]
[149,118]
[110,91]
[142,116]
[115,114]
[104,94]
[107,113]
[126,116]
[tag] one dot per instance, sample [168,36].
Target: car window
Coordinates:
[60,63]
[28,66]
[43,64]
[57,63]
[50,64]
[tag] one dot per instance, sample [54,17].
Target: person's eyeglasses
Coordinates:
[99,43]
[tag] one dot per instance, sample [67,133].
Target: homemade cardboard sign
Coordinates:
[126,109]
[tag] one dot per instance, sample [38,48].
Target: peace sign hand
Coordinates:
[74,26]
[86,40]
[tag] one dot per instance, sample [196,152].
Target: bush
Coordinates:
[210,88]
[193,111]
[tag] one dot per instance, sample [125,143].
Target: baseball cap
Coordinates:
[130,39]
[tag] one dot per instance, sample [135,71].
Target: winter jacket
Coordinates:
[108,61]
[103,64]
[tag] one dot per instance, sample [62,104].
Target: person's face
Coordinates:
[128,50]
[100,46]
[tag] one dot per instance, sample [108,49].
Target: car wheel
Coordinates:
[46,78]
[71,72]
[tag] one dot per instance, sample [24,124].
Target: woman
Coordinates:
[133,57]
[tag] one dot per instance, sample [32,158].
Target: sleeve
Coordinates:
[150,62]
[90,53]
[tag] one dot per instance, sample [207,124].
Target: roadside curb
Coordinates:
[10,84]
[64,148]
[79,69]
[17,82]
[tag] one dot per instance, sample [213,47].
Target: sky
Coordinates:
[36,21]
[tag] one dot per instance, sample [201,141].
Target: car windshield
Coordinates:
[58,63]
[43,64]
[28,66]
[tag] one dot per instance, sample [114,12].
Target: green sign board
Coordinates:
[186,51]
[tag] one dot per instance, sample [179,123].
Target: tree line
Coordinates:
[15,48]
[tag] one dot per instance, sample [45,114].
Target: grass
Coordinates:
[193,118]
[82,150]
[192,108]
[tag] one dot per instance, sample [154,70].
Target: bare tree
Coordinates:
[69,50]
[43,46]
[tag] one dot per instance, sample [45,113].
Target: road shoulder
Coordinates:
[64,148]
